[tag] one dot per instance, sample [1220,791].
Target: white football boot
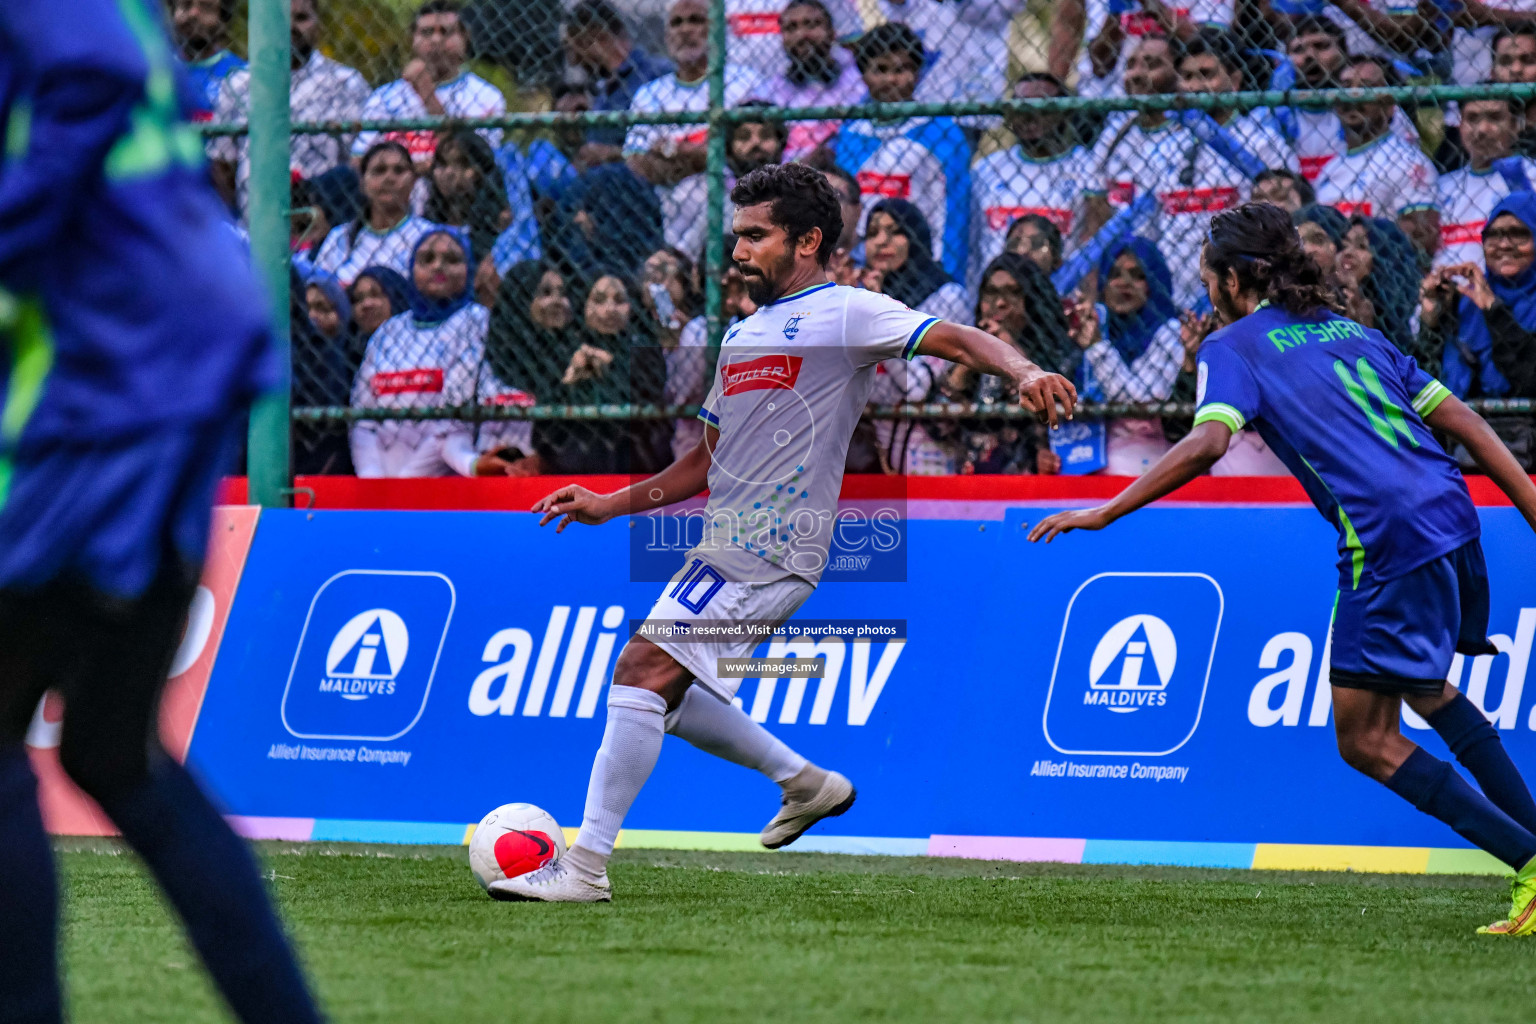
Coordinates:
[553,883]
[813,794]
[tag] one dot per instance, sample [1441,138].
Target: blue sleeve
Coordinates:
[75,72]
[1424,392]
[1226,390]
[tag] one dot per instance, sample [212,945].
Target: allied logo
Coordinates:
[1133,664]
[792,325]
[367,655]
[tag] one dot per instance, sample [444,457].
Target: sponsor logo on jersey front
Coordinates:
[887,186]
[754,23]
[1462,234]
[1133,664]
[763,373]
[423,380]
[367,655]
[1000,217]
[1200,200]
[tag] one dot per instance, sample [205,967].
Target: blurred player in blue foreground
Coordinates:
[134,339]
[1351,416]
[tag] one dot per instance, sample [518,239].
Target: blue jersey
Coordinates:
[1342,407]
[127,299]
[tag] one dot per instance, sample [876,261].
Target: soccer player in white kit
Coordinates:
[792,382]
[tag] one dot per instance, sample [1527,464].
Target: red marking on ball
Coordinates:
[518,853]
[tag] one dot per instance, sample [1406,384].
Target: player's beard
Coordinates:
[766,287]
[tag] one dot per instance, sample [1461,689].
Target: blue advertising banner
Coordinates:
[1161,682]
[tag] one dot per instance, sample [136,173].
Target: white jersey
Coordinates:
[1320,138]
[350,249]
[683,206]
[1194,183]
[916,160]
[1385,178]
[463,447]
[753,40]
[1007,185]
[1136,24]
[792,381]
[321,90]
[966,43]
[1357,40]
[411,365]
[468,95]
[1467,197]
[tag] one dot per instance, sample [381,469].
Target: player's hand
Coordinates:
[1041,392]
[575,504]
[1065,522]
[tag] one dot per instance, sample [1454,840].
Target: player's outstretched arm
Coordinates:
[1198,452]
[683,479]
[1453,417]
[1039,391]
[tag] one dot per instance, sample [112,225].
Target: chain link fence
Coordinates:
[509,217]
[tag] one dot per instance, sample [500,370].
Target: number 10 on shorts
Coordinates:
[687,590]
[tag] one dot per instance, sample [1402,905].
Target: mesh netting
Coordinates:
[535,289]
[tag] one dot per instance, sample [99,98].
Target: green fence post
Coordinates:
[267,456]
[714,248]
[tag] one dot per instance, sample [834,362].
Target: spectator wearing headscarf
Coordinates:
[320,339]
[1378,271]
[609,217]
[1131,350]
[1018,304]
[465,189]
[526,346]
[1485,324]
[425,357]
[377,293]
[612,358]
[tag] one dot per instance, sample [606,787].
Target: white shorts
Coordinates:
[699,594]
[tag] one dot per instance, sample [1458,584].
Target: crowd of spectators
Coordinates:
[461,267]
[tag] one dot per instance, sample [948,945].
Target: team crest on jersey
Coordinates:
[792,325]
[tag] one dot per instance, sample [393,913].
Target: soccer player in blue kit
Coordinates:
[1351,416]
[134,339]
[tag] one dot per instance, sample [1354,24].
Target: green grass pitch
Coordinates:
[405,935]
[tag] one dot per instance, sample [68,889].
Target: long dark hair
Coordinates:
[1259,242]
[519,352]
[362,173]
[921,275]
[480,212]
[1046,336]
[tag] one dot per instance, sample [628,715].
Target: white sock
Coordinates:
[631,743]
[727,731]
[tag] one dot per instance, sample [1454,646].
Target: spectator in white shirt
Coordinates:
[319,89]
[1489,128]
[386,234]
[428,357]
[433,83]
[1380,175]
[820,74]
[668,156]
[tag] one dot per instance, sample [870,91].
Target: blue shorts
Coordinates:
[1400,636]
[113,515]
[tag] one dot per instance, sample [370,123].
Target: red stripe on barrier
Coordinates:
[459,493]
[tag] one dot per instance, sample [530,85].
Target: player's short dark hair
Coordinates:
[1043,224]
[596,16]
[817,4]
[1259,242]
[1317,25]
[439,7]
[1511,30]
[800,199]
[1046,77]
[1303,187]
[892,37]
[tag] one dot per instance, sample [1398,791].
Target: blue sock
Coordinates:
[1433,786]
[211,878]
[1476,744]
[29,976]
